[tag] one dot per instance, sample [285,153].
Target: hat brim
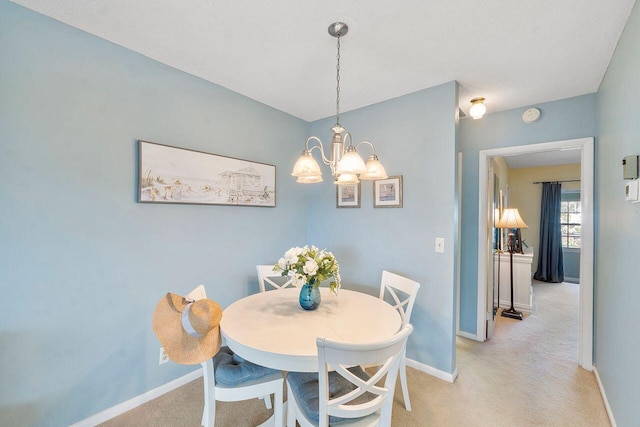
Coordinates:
[179,345]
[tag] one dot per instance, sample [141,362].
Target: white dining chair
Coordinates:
[341,391]
[270,280]
[245,380]
[401,293]
[230,378]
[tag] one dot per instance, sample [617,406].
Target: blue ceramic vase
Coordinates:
[309,297]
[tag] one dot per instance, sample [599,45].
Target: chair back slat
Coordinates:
[368,395]
[402,292]
[266,277]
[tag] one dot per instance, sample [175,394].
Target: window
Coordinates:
[570,219]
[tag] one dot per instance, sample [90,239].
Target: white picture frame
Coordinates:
[173,175]
[387,193]
[348,196]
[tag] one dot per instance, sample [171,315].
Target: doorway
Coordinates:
[586,147]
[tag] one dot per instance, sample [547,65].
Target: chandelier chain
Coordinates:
[338,83]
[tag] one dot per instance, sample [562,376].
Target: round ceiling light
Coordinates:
[477,108]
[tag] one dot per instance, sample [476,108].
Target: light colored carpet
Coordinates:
[526,375]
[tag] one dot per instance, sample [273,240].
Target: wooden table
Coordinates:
[271,329]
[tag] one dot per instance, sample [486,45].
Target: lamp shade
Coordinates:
[511,219]
[306,166]
[351,162]
[309,179]
[374,169]
[347,178]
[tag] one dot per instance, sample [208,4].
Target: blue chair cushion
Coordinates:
[232,370]
[305,387]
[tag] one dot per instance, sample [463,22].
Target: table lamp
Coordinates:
[511,219]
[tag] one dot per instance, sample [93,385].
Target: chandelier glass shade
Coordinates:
[347,166]
[351,162]
[306,166]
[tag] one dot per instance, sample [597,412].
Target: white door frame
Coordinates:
[587,173]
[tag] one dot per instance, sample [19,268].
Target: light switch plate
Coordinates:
[440,244]
[630,167]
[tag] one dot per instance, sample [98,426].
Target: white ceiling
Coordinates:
[278,52]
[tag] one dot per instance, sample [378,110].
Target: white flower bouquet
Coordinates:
[310,265]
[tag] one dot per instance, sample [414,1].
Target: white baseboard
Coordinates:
[433,371]
[123,407]
[604,398]
[468,335]
[130,404]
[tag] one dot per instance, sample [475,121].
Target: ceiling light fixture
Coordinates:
[345,162]
[477,108]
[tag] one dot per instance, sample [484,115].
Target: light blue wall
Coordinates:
[618,230]
[415,136]
[82,265]
[565,119]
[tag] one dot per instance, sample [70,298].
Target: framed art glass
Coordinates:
[178,175]
[387,193]
[348,196]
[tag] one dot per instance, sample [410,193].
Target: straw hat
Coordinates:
[188,329]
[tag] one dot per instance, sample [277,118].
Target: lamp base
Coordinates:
[512,313]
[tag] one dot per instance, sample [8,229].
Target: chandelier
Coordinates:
[345,162]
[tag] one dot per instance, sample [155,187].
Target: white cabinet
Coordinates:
[521,281]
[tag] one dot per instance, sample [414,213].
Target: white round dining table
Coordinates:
[271,329]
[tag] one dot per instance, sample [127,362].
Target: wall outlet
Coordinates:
[164,358]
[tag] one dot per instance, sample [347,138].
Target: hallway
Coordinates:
[526,375]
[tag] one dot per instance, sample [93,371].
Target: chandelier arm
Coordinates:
[344,138]
[320,148]
[367,142]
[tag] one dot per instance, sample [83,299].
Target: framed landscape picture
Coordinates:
[179,175]
[348,196]
[387,193]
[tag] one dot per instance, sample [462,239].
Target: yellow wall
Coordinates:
[526,196]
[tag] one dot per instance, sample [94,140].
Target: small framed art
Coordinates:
[387,193]
[348,196]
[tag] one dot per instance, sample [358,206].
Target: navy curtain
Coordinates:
[550,264]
